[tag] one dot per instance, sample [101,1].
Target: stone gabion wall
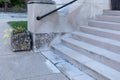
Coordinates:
[21,41]
[43,40]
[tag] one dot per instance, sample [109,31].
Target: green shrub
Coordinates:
[18,26]
[18,30]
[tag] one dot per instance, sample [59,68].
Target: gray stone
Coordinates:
[21,41]
[49,77]
[44,39]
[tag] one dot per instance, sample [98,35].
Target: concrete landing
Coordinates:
[23,65]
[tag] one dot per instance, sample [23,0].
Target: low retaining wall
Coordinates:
[43,41]
[14,10]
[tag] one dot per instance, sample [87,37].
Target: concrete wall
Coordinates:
[80,12]
[66,20]
[48,30]
[55,22]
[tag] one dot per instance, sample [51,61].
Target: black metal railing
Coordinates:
[41,17]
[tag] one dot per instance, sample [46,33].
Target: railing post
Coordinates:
[38,8]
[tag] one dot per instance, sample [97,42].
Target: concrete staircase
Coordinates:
[96,48]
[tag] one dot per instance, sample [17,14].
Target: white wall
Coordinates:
[81,11]
[55,22]
[67,19]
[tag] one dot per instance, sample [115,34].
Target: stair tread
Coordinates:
[95,49]
[98,38]
[104,22]
[109,16]
[111,12]
[100,29]
[68,69]
[94,65]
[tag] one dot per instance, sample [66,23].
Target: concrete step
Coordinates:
[102,42]
[108,18]
[101,32]
[106,25]
[95,69]
[104,56]
[110,12]
[69,70]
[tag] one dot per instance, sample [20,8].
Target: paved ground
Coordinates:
[24,65]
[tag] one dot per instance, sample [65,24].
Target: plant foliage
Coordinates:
[18,29]
[18,26]
[14,3]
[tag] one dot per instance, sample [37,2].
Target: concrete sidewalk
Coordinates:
[28,66]
[24,65]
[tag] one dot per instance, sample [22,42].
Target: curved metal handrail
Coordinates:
[41,17]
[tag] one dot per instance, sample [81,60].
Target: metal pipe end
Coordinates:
[38,18]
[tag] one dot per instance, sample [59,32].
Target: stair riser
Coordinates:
[104,25]
[95,56]
[108,19]
[81,66]
[101,33]
[113,13]
[104,45]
